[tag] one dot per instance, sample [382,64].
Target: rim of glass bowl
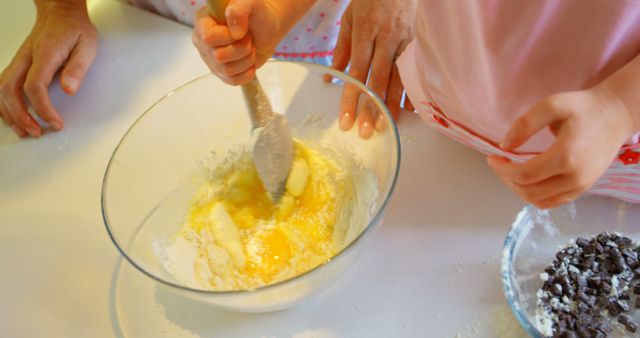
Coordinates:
[377,217]
[510,241]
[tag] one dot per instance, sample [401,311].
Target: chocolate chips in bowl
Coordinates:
[591,288]
[541,239]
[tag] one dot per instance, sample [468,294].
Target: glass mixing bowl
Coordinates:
[149,181]
[536,235]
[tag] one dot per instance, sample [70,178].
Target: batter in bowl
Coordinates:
[235,238]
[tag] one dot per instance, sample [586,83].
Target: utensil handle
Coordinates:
[257,101]
[216,10]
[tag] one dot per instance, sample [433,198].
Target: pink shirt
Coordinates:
[481,64]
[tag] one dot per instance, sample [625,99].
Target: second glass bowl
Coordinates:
[536,236]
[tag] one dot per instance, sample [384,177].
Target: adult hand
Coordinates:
[64,38]
[590,127]
[234,51]
[373,33]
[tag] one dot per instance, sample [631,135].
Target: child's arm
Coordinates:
[230,52]
[590,127]
[64,38]
[625,86]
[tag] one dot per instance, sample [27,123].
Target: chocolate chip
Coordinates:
[582,242]
[589,250]
[582,307]
[623,319]
[593,282]
[614,252]
[614,310]
[624,242]
[587,262]
[565,282]
[603,302]
[633,263]
[592,331]
[631,327]
[583,331]
[583,297]
[584,319]
[620,265]
[561,255]
[603,238]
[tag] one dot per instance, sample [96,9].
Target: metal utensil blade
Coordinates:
[273,154]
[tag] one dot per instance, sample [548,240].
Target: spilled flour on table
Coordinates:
[501,323]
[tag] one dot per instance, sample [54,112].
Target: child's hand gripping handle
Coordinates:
[257,102]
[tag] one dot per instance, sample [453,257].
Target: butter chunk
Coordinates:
[298,177]
[287,203]
[227,235]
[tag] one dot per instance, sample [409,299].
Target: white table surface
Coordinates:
[432,269]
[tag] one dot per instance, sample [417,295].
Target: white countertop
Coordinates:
[432,269]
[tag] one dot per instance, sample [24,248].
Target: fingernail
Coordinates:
[232,23]
[56,125]
[381,123]
[33,132]
[71,84]
[345,121]
[365,130]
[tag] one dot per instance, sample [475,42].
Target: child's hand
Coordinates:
[590,127]
[62,37]
[234,52]
[373,34]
